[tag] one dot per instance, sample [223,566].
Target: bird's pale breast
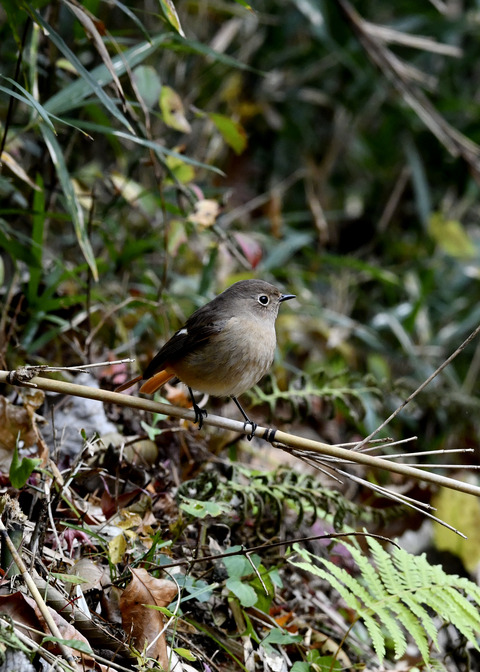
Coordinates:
[233,361]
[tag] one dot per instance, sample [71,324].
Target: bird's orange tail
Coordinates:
[128,384]
[152,384]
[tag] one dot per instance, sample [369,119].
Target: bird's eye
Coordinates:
[263,299]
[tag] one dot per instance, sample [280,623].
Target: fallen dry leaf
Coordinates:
[15,423]
[24,610]
[142,624]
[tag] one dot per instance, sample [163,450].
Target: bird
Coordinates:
[223,349]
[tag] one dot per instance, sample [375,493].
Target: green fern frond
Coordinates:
[352,393]
[266,496]
[394,593]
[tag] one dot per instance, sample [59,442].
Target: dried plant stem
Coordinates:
[272,436]
[421,387]
[36,596]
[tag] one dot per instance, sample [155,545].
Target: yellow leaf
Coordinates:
[129,519]
[16,168]
[172,110]
[450,236]
[462,511]
[116,548]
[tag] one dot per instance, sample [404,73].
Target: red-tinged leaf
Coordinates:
[110,504]
[250,248]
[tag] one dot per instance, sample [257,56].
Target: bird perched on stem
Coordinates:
[223,349]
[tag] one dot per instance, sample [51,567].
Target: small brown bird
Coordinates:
[223,349]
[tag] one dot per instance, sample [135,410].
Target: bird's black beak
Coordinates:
[287,297]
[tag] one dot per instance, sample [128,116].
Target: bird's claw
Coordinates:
[200,414]
[253,426]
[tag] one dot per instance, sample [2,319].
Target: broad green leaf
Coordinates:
[243,591]
[237,565]
[148,84]
[20,471]
[73,206]
[232,132]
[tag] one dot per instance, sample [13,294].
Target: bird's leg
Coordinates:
[247,419]
[200,413]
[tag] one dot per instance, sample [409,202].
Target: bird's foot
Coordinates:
[200,414]
[247,420]
[253,426]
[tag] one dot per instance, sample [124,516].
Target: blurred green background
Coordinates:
[152,155]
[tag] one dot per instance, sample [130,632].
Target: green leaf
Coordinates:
[148,84]
[237,565]
[73,205]
[278,636]
[170,13]
[20,472]
[37,242]
[393,595]
[71,96]
[244,592]
[69,578]
[201,509]
[301,666]
[283,251]
[232,132]
[159,149]
[29,100]
[93,84]
[76,644]
[185,653]
[16,17]
[15,249]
